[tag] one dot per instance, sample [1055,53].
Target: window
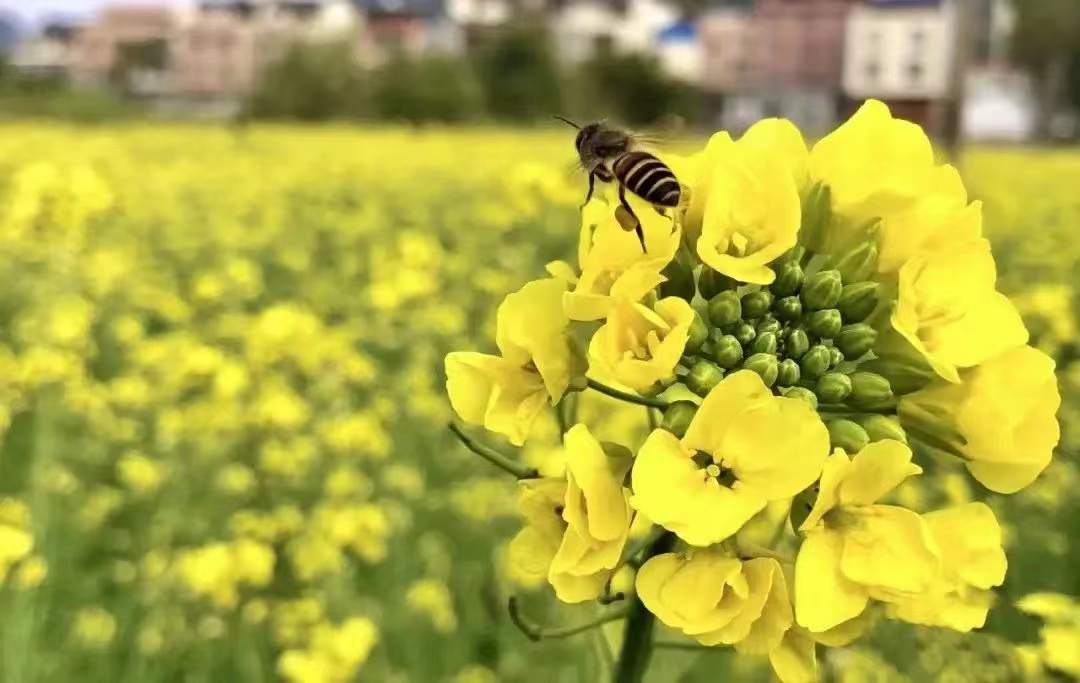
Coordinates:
[915,72]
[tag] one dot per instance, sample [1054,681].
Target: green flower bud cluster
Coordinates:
[805,334]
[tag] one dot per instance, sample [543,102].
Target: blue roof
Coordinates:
[424,8]
[678,32]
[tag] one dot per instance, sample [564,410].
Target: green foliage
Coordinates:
[312,83]
[427,89]
[634,89]
[519,76]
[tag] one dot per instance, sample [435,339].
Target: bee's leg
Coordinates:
[592,186]
[637,221]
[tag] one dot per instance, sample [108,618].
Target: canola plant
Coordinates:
[223,412]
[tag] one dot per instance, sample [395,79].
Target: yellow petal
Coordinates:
[721,408]
[875,470]
[824,597]
[795,660]
[969,539]
[469,380]
[670,489]
[596,503]
[890,548]
[776,448]
[832,474]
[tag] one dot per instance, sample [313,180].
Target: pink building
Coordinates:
[135,38]
[779,43]
[728,40]
[215,55]
[800,42]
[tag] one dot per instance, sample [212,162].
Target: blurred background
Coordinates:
[238,237]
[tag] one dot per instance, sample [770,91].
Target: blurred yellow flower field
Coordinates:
[222,401]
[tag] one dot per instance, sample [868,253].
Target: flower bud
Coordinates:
[711,283]
[881,427]
[765,365]
[727,351]
[854,341]
[803,394]
[725,309]
[765,342]
[793,255]
[825,324]
[905,377]
[756,304]
[788,373]
[847,435]
[836,357]
[822,290]
[768,324]
[789,279]
[788,308]
[797,343]
[833,387]
[859,262]
[858,301]
[869,389]
[815,362]
[680,281]
[703,376]
[677,417]
[744,332]
[698,334]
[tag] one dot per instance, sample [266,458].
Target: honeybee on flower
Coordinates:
[825,323]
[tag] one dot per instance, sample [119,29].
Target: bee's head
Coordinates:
[586,134]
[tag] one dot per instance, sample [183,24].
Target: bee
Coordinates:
[611,154]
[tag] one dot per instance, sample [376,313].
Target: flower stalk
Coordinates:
[496,458]
[629,398]
[637,645]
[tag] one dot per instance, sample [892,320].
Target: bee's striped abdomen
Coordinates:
[647,177]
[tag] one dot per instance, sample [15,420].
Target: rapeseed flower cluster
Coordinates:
[811,329]
[211,381]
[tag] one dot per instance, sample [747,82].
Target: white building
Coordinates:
[899,51]
[582,27]
[999,105]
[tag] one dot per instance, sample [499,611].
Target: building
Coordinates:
[776,58]
[127,46]
[680,51]
[581,28]
[901,51]
[47,54]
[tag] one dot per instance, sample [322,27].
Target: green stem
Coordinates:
[494,457]
[636,648]
[535,633]
[629,398]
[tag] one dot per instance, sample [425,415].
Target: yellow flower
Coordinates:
[948,310]
[973,561]
[595,293]
[505,393]
[1001,417]
[744,448]
[717,599]
[748,198]
[575,530]
[881,169]
[854,549]
[639,345]
[604,245]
